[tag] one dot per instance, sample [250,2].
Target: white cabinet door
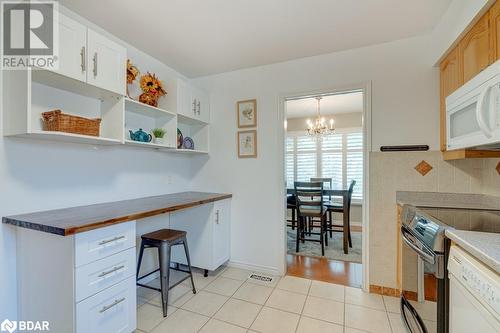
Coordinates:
[185,101]
[222,232]
[72,49]
[202,105]
[197,222]
[106,63]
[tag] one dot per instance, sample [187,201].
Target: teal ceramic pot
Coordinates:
[140,136]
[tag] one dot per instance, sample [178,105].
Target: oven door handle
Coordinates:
[427,257]
[405,304]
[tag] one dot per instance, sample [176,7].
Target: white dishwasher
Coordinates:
[474,295]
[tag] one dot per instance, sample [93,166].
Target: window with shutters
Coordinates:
[338,156]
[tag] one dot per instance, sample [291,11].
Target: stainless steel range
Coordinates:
[424,257]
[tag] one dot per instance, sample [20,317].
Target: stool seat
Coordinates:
[164,235]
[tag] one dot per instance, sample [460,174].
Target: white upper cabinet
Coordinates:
[72,48]
[89,57]
[192,102]
[106,63]
[202,107]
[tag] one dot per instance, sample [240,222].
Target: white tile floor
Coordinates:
[227,301]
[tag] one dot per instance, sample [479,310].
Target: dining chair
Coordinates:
[329,182]
[309,200]
[334,207]
[291,204]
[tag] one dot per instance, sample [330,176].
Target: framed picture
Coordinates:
[247,144]
[247,113]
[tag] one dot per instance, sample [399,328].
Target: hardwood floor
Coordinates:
[322,269]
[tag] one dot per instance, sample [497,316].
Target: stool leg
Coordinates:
[186,249]
[164,258]
[141,252]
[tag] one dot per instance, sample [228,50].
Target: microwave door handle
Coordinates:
[479,113]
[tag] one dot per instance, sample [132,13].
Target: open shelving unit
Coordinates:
[146,117]
[195,129]
[47,91]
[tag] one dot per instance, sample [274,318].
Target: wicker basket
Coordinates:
[61,122]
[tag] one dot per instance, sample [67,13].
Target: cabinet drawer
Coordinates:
[99,275]
[110,311]
[103,242]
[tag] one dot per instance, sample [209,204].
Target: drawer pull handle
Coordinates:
[103,274]
[115,303]
[104,242]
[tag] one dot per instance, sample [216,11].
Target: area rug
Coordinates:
[334,250]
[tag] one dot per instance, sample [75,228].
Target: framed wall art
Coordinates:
[247,144]
[247,113]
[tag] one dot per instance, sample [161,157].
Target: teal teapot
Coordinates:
[140,136]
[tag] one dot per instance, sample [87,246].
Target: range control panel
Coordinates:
[481,281]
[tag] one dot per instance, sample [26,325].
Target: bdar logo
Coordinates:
[8,326]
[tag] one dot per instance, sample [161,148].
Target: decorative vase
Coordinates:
[149,99]
[160,141]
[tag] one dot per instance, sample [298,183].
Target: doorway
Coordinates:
[326,139]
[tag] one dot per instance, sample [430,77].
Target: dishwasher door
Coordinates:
[474,300]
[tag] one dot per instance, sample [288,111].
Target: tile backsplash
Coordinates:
[395,171]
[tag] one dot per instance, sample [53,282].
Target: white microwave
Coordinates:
[473,112]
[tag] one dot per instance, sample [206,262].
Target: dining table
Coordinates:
[337,191]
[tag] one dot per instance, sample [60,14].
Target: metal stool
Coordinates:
[163,240]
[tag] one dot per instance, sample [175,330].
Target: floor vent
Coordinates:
[262,278]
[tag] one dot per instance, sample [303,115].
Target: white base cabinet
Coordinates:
[83,283]
[208,232]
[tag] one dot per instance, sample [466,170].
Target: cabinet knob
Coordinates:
[217,213]
[198,105]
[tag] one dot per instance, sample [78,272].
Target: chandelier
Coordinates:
[319,128]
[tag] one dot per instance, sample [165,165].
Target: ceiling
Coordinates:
[202,37]
[330,105]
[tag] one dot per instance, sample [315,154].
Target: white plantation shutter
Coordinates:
[306,153]
[338,156]
[290,161]
[332,159]
[354,163]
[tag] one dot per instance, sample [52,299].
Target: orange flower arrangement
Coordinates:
[152,88]
[132,73]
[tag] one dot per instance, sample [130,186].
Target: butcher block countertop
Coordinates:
[70,221]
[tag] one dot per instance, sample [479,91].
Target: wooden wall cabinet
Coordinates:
[478,48]
[495,32]
[474,50]
[450,81]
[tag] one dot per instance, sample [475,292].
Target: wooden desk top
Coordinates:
[69,221]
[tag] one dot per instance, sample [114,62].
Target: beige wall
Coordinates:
[344,120]
[391,172]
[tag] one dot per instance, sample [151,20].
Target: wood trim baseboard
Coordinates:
[386,291]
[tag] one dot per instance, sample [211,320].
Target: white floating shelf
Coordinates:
[144,109]
[190,121]
[70,137]
[147,144]
[191,151]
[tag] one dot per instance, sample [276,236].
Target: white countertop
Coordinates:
[485,246]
